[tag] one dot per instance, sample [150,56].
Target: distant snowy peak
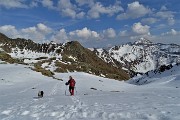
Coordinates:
[143,41]
[53,43]
[171,48]
[141,56]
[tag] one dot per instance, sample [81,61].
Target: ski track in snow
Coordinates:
[54,89]
[41,109]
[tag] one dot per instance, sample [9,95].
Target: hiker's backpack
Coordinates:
[72,82]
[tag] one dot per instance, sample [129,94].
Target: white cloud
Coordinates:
[34,3]
[84,34]
[97,9]
[32,33]
[37,33]
[40,28]
[149,20]
[85,2]
[31,30]
[94,10]
[123,33]
[80,15]
[69,10]
[161,26]
[171,21]
[60,36]
[172,32]
[171,36]
[13,4]
[140,29]
[167,15]
[134,10]
[163,8]
[42,33]
[48,4]
[109,33]
[9,30]
[43,28]
[9,4]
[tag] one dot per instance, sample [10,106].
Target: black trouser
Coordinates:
[71,90]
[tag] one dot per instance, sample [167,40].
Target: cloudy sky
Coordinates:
[94,23]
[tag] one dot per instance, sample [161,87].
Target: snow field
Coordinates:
[113,100]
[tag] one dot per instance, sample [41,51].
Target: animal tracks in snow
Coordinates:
[54,89]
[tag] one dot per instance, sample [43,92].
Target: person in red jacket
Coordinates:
[71,84]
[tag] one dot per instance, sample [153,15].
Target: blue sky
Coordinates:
[94,23]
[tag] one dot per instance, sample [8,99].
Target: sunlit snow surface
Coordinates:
[141,56]
[113,100]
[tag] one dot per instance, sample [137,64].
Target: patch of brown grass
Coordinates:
[38,68]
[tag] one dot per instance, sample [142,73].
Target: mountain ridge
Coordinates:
[118,62]
[65,57]
[141,56]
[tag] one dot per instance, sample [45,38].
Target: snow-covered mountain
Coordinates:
[49,58]
[141,56]
[118,62]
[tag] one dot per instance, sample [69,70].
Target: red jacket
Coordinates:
[71,82]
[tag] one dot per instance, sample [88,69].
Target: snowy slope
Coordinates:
[141,56]
[113,100]
[169,77]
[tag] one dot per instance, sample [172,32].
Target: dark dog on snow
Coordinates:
[40,94]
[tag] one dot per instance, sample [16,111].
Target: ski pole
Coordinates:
[76,90]
[66,90]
